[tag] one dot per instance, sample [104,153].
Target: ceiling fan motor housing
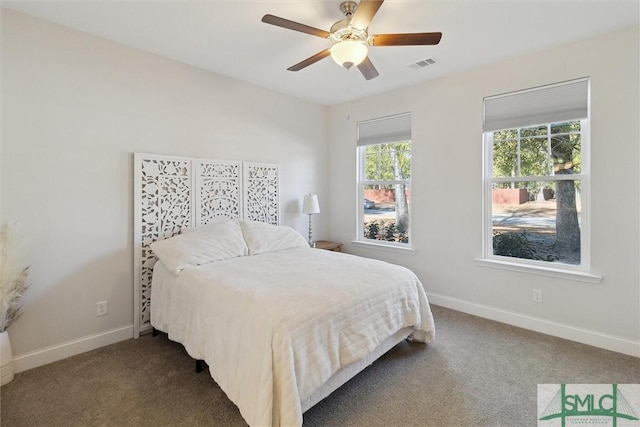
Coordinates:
[341,30]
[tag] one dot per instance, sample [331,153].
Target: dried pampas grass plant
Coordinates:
[13,280]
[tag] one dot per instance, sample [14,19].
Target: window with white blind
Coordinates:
[536,176]
[384,181]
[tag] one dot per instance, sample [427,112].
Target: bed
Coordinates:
[279,324]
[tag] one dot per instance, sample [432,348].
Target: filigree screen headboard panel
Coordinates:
[172,193]
[261,196]
[218,189]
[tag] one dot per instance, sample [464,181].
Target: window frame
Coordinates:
[556,269]
[361,182]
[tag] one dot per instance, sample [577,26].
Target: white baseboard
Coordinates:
[36,358]
[572,333]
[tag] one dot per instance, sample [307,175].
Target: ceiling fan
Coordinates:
[351,39]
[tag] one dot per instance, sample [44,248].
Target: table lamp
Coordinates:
[310,206]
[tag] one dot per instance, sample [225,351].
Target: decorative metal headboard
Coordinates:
[172,193]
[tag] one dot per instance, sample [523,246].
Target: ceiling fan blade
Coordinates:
[367,69]
[295,26]
[310,60]
[364,13]
[410,39]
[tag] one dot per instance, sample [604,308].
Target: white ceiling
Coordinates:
[227,37]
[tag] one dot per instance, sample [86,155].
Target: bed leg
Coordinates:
[154,332]
[199,366]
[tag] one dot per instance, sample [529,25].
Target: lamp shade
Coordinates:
[310,204]
[348,53]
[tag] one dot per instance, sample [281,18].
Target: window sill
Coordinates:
[384,247]
[543,271]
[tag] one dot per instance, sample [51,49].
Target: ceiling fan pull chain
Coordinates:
[351,97]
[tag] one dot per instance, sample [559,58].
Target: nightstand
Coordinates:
[330,246]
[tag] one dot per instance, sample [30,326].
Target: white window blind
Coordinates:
[550,104]
[385,130]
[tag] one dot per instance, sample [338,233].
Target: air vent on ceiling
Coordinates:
[423,63]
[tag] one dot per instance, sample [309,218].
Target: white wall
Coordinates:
[447,202]
[74,109]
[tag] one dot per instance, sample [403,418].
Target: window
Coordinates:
[536,145]
[384,181]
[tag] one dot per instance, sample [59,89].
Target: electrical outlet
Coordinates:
[101,308]
[537,296]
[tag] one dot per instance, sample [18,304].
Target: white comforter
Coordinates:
[274,327]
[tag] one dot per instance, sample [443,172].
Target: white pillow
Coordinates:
[262,237]
[201,245]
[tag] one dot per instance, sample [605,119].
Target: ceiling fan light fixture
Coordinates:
[348,53]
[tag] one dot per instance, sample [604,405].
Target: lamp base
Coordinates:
[311,243]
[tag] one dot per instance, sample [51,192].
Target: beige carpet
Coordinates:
[477,373]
